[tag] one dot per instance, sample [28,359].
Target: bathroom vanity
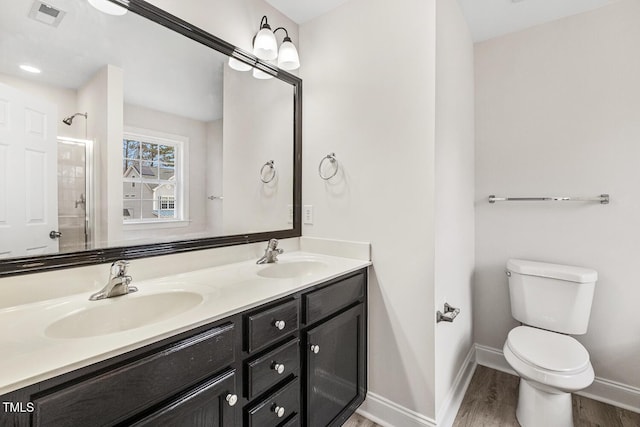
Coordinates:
[293,358]
[235,344]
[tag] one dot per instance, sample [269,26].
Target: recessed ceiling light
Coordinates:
[108,7]
[30,69]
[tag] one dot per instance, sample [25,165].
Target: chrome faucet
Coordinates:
[271,253]
[118,284]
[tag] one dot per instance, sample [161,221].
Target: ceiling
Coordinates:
[486,18]
[162,69]
[301,11]
[493,18]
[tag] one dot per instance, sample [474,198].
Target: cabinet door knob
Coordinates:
[231,399]
[278,410]
[279,324]
[278,367]
[315,349]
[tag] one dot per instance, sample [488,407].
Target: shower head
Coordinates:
[68,120]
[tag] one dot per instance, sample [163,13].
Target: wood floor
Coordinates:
[358,421]
[492,396]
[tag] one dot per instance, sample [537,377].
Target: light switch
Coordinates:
[307,214]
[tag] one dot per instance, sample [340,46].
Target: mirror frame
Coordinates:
[41,263]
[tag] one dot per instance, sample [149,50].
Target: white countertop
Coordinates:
[28,355]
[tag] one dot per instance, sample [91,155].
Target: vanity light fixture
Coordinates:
[108,7]
[265,47]
[238,65]
[30,69]
[261,75]
[288,58]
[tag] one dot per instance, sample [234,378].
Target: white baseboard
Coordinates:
[446,415]
[493,358]
[614,393]
[602,390]
[386,413]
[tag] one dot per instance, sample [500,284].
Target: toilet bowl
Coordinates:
[551,301]
[551,366]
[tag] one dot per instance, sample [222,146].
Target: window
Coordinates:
[152,184]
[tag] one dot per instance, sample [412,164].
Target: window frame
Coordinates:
[181,144]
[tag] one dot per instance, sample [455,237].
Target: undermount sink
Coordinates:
[122,313]
[291,269]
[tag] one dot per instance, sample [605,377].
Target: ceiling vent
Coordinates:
[45,13]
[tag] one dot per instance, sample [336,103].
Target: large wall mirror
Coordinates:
[129,136]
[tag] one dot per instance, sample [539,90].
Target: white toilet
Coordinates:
[551,301]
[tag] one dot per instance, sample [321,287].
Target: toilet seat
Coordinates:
[548,350]
[548,358]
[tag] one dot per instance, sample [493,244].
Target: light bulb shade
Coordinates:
[288,57]
[265,45]
[259,74]
[107,7]
[238,65]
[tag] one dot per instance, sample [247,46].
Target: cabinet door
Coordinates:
[210,404]
[336,368]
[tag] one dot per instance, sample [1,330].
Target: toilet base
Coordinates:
[538,408]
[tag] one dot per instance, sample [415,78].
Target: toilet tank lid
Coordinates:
[552,271]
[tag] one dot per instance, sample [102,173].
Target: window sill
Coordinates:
[148,225]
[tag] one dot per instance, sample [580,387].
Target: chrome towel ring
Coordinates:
[270,165]
[334,162]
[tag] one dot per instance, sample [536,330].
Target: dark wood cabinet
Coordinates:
[335,368]
[209,404]
[255,369]
[267,326]
[124,391]
[269,369]
[276,408]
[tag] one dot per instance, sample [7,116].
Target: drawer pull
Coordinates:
[280,324]
[231,399]
[278,410]
[278,367]
[315,349]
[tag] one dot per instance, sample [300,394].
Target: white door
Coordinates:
[28,169]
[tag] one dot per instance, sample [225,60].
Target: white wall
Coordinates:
[558,113]
[102,98]
[215,154]
[258,127]
[454,207]
[369,96]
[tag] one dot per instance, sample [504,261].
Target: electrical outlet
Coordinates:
[289,214]
[307,214]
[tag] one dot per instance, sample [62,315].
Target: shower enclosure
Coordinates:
[75,194]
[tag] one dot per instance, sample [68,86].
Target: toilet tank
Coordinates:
[551,296]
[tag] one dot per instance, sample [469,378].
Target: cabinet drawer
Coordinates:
[284,402]
[270,325]
[271,368]
[122,392]
[292,422]
[209,404]
[321,303]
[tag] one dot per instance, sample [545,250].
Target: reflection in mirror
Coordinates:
[130,134]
